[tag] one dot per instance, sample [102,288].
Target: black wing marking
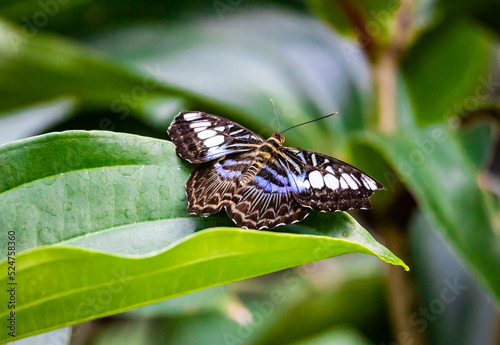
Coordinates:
[211,184]
[200,137]
[327,184]
[267,201]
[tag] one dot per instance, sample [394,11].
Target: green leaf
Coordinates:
[438,171]
[247,59]
[207,258]
[443,78]
[95,190]
[359,302]
[57,68]
[125,194]
[431,250]
[484,11]
[211,65]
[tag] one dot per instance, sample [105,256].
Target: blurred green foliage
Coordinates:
[416,85]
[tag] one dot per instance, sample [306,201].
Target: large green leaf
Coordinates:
[84,284]
[443,78]
[124,194]
[85,187]
[438,171]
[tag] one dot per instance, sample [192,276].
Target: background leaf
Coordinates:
[443,78]
[434,166]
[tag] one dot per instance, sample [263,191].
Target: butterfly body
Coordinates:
[268,149]
[261,183]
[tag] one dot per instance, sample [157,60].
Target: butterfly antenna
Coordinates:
[305,123]
[274,110]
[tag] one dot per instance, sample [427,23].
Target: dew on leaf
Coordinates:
[102,215]
[130,214]
[146,146]
[164,191]
[103,179]
[67,206]
[127,170]
[162,173]
[141,187]
[48,181]
[84,175]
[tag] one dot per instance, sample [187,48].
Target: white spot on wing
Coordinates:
[220,128]
[306,184]
[199,129]
[214,141]
[293,163]
[206,134]
[369,183]
[301,156]
[200,124]
[343,183]
[331,181]
[191,116]
[350,181]
[313,158]
[330,169]
[316,179]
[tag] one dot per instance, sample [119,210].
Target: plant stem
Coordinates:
[384,58]
[384,79]
[385,68]
[403,295]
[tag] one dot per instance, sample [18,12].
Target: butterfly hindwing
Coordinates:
[327,184]
[200,137]
[266,201]
[211,184]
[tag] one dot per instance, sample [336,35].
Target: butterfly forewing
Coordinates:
[267,200]
[200,137]
[327,184]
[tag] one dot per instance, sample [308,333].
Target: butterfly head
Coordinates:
[280,137]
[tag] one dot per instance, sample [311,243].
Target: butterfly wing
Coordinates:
[211,184]
[200,137]
[266,201]
[327,184]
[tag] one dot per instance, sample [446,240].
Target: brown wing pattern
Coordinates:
[200,137]
[267,201]
[211,184]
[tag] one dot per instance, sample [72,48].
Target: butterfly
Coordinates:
[261,183]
